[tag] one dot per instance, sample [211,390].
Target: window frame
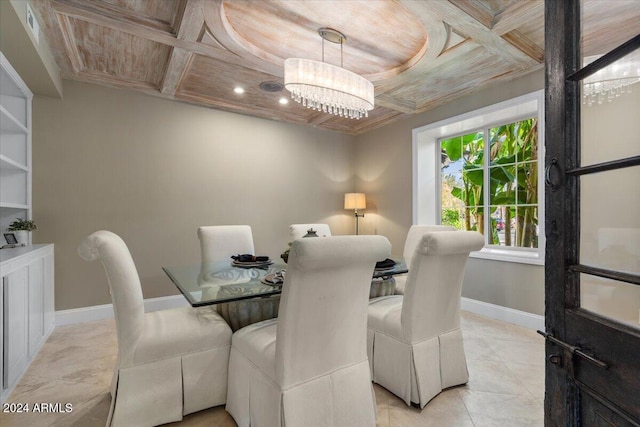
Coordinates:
[427,197]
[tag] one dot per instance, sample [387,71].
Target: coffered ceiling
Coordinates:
[418,54]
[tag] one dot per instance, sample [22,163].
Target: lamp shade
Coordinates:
[355,201]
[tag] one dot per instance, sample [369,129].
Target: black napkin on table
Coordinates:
[249,258]
[387,263]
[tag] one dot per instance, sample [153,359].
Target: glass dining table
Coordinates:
[243,296]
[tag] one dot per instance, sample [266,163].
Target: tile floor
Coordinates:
[506,385]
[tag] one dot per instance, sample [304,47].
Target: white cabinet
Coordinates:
[26,309]
[15,146]
[36,305]
[15,291]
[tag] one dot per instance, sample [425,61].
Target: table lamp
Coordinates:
[355,201]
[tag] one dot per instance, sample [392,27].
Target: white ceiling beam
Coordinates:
[128,23]
[466,24]
[189,28]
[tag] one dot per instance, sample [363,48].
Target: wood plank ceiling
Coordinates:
[418,54]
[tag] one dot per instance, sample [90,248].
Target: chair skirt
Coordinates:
[420,371]
[163,391]
[254,399]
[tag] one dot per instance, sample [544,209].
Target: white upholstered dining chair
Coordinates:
[296,231]
[219,242]
[414,342]
[309,366]
[413,238]
[170,362]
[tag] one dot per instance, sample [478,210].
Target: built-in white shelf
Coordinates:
[7,163]
[26,273]
[15,150]
[9,123]
[13,205]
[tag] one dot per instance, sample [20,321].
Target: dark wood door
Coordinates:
[592,220]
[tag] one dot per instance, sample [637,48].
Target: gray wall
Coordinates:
[153,170]
[33,61]
[384,173]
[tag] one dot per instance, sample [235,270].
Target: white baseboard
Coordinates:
[105,311]
[506,314]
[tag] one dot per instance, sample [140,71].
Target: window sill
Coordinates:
[508,256]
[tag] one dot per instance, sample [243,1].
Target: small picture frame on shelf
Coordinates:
[10,238]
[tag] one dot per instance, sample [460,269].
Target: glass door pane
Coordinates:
[609,132]
[610,111]
[610,298]
[610,239]
[610,220]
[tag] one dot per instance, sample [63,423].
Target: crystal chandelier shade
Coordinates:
[328,88]
[611,81]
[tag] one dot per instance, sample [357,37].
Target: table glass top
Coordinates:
[205,284]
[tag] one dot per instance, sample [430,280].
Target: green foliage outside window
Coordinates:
[451,217]
[512,177]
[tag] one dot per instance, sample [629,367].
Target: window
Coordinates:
[480,171]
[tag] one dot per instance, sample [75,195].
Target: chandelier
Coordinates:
[328,88]
[611,81]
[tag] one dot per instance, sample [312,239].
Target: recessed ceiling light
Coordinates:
[270,86]
[283,101]
[238,90]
